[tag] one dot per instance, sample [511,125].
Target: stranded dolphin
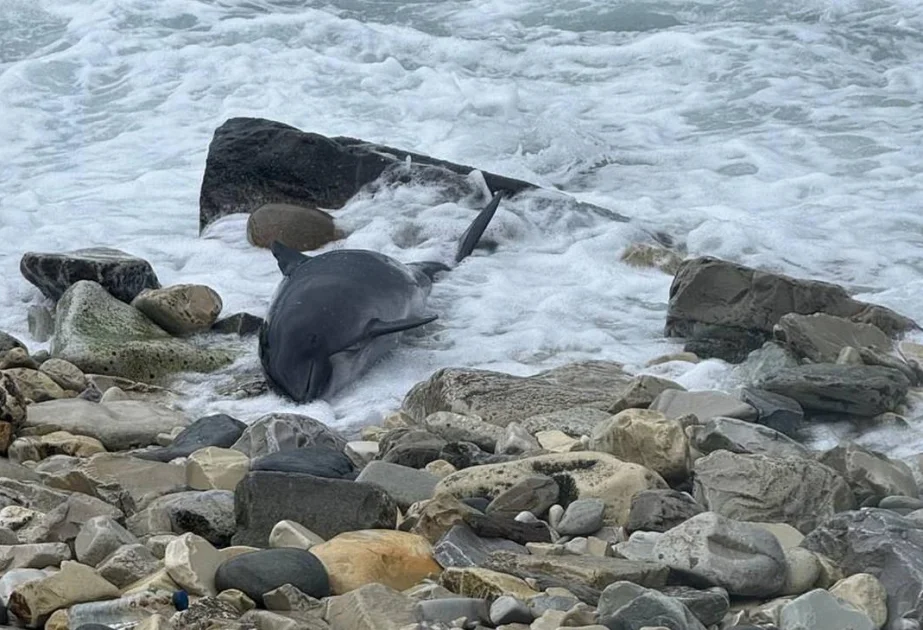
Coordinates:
[336,314]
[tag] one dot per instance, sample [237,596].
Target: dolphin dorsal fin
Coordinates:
[472,235]
[378,327]
[287,257]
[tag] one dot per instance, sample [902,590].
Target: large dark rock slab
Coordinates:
[730,310]
[258,572]
[121,274]
[660,510]
[861,390]
[253,161]
[217,430]
[325,506]
[882,543]
[775,411]
[317,460]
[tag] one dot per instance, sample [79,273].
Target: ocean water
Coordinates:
[786,135]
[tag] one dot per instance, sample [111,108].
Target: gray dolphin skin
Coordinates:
[336,314]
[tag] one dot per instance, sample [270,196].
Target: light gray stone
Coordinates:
[276,432]
[535,494]
[181,309]
[508,609]
[820,336]
[740,436]
[128,564]
[819,610]
[405,485]
[582,517]
[871,474]
[99,537]
[705,405]
[630,606]
[37,556]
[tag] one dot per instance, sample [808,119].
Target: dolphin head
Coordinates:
[298,366]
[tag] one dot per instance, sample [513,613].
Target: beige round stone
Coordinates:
[645,437]
[65,374]
[64,443]
[37,386]
[180,309]
[214,468]
[393,558]
[865,592]
[298,227]
[441,468]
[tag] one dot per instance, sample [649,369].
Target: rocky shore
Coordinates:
[584,496]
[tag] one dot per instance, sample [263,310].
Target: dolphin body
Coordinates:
[336,314]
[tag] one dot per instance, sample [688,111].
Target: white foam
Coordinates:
[784,135]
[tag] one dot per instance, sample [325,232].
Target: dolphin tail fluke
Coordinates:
[474,232]
[287,257]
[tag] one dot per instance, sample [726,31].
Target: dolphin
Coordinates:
[335,314]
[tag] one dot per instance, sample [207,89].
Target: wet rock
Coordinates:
[118,425]
[259,572]
[704,405]
[883,544]
[871,475]
[455,427]
[626,605]
[181,309]
[214,468]
[862,390]
[301,228]
[276,432]
[75,583]
[819,610]
[502,398]
[712,298]
[252,162]
[579,475]
[100,334]
[820,337]
[405,485]
[775,411]
[741,558]
[217,430]
[240,324]
[119,273]
[645,437]
[461,547]
[660,510]
[320,461]
[739,436]
[393,558]
[793,490]
[535,494]
[325,506]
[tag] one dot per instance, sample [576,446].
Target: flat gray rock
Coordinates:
[780,413]
[820,337]
[675,403]
[871,475]
[861,390]
[582,517]
[276,432]
[660,510]
[120,273]
[627,605]
[740,436]
[535,494]
[405,485]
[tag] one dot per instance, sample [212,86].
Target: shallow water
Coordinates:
[785,135]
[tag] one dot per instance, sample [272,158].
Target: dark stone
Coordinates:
[540,604]
[468,454]
[708,605]
[253,161]
[209,514]
[325,506]
[259,572]
[8,342]
[535,494]
[121,274]
[660,510]
[410,447]
[218,430]
[461,547]
[861,390]
[448,609]
[736,306]
[478,503]
[882,543]
[778,412]
[180,600]
[317,460]
[727,343]
[627,606]
[241,324]
[279,431]
[4,615]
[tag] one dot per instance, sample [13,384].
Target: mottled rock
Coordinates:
[575,422]
[775,411]
[36,386]
[454,427]
[461,547]
[100,334]
[741,558]
[259,572]
[819,610]
[372,607]
[660,510]
[36,556]
[647,255]
[871,475]
[501,398]
[626,605]
[580,475]
[12,403]
[67,375]
[793,490]
[128,564]
[645,437]
[118,425]
[865,592]
[64,522]
[484,583]
[516,440]
[708,605]
[301,228]
[325,506]
[642,391]
[820,337]
[276,432]
[217,430]
[99,537]
[181,309]
[862,390]
[582,517]
[119,273]
[535,494]
[209,514]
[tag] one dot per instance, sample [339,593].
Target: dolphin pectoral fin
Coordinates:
[474,232]
[378,327]
[287,257]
